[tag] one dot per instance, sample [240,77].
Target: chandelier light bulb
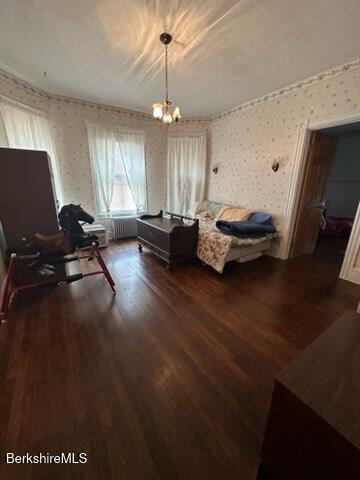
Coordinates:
[176,114]
[167,118]
[158,111]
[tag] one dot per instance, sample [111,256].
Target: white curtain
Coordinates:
[4,142]
[22,127]
[108,146]
[186,172]
[132,149]
[102,148]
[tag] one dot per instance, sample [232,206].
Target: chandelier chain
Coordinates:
[166,76]
[161,111]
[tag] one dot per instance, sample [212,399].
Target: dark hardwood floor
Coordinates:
[170,379]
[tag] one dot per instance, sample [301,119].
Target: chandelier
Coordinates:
[161,111]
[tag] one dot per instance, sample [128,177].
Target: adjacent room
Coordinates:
[179,239]
[341,196]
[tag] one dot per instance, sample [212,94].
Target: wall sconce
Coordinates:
[275,166]
[215,169]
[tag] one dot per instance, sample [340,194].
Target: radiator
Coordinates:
[124,227]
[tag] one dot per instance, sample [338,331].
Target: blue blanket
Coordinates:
[245,229]
[260,217]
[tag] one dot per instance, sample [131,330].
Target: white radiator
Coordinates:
[124,227]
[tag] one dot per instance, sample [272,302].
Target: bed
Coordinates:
[215,248]
[338,226]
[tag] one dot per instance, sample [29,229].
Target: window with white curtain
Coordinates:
[26,128]
[186,172]
[118,168]
[122,200]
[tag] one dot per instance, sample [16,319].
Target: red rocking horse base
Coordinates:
[10,287]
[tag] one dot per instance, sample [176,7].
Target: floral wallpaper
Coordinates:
[69,126]
[69,117]
[12,88]
[245,142]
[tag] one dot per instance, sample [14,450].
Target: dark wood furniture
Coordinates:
[27,206]
[27,196]
[168,237]
[313,428]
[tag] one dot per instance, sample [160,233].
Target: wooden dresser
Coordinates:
[168,236]
[313,430]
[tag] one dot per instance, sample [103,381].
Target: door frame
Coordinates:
[348,272]
[304,134]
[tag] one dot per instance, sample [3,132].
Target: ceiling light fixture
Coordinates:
[161,111]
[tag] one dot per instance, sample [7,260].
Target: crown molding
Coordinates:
[314,79]
[76,102]
[319,77]
[28,88]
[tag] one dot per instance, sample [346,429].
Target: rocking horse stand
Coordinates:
[10,287]
[45,254]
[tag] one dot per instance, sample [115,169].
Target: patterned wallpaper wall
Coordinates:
[68,119]
[245,142]
[69,126]
[11,88]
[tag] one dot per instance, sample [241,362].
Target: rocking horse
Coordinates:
[44,253]
[67,240]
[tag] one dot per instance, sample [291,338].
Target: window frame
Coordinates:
[123,212]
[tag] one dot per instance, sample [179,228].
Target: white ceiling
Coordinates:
[227,51]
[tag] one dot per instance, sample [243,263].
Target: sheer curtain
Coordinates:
[132,149]
[102,148]
[107,148]
[22,127]
[186,172]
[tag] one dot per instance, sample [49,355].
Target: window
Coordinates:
[122,200]
[118,168]
[23,127]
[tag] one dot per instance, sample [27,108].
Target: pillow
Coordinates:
[232,214]
[260,217]
[215,207]
[202,210]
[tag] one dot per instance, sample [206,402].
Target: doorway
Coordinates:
[329,194]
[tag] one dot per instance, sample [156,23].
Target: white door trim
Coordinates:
[299,169]
[349,270]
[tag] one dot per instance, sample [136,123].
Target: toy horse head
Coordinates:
[70,216]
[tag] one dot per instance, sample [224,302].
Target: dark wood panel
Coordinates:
[27,200]
[154,236]
[313,429]
[169,238]
[172,378]
[162,223]
[326,377]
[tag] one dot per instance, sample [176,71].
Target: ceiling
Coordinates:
[226,52]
